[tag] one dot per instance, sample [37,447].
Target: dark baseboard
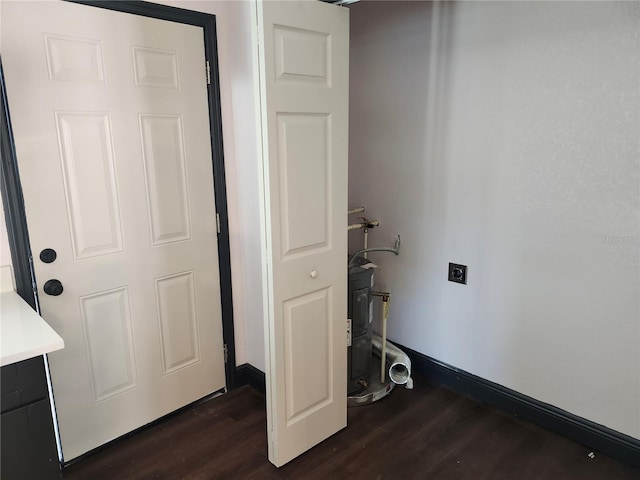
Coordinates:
[247,374]
[594,436]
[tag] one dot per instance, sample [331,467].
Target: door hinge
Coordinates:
[225,349]
[218,222]
[208,73]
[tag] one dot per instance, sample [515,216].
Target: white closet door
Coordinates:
[304,54]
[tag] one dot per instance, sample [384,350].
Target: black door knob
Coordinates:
[53,287]
[48,255]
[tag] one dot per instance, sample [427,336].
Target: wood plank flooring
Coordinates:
[425,433]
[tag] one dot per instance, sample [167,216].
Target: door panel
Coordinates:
[167,196]
[178,325]
[304,61]
[307,317]
[301,55]
[155,68]
[304,164]
[75,59]
[88,173]
[111,123]
[106,319]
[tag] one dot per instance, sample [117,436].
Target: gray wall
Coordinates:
[505,136]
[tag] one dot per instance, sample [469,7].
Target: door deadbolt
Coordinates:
[48,255]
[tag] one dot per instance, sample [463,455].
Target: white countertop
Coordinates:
[23,333]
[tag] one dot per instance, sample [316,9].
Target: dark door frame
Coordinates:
[12,191]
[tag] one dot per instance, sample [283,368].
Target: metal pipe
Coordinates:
[366,242]
[356,210]
[395,250]
[385,316]
[354,226]
[372,223]
[400,369]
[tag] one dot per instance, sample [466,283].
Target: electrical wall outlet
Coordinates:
[458,273]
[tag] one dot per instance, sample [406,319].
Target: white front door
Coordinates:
[111,124]
[304,54]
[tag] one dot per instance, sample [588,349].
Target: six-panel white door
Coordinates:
[111,124]
[304,54]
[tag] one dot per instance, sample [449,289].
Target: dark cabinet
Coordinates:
[26,426]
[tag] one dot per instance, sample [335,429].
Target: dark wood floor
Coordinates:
[427,433]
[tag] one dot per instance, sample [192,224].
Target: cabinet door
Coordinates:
[304,60]
[26,427]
